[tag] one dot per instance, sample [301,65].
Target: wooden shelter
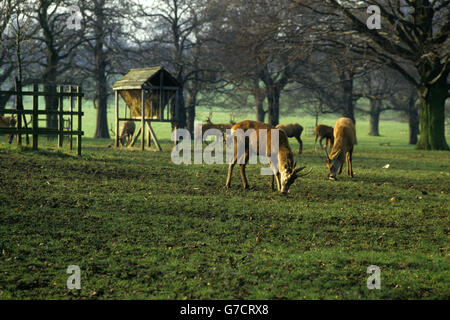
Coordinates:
[148,93]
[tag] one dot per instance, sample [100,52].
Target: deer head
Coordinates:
[288,174]
[333,164]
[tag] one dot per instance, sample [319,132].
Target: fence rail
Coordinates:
[35,130]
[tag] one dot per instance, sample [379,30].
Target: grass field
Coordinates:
[141,227]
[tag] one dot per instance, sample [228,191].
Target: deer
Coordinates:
[344,139]
[287,171]
[8,122]
[323,132]
[126,132]
[220,126]
[293,130]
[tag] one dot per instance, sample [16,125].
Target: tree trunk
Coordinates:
[101,93]
[180,111]
[413,119]
[413,127]
[101,130]
[349,101]
[51,103]
[273,99]
[375,110]
[260,113]
[259,96]
[190,113]
[432,116]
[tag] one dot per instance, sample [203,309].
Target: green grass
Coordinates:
[141,227]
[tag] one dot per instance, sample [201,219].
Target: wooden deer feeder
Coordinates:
[148,94]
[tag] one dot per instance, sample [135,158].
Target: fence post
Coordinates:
[60,116]
[18,86]
[175,113]
[79,102]
[116,133]
[35,115]
[143,97]
[71,117]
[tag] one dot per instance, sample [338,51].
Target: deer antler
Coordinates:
[296,171]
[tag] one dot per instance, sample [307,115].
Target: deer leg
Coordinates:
[300,142]
[349,163]
[277,177]
[320,141]
[272,185]
[243,175]
[230,171]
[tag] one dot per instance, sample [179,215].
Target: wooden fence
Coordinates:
[22,127]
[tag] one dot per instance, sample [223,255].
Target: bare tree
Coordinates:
[58,44]
[178,45]
[261,48]
[6,65]
[414,36]
[105,21]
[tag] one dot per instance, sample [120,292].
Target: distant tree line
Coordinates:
[262,56]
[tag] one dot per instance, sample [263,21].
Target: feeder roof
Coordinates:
[136,78]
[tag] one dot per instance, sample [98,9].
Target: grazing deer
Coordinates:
[293,130]
[344,139]
[126,132]
[323,132]
[8,122]
[287,172]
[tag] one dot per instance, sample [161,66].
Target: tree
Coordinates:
[6,65]
[404,99]
[414,35]
[377,86]
[177,44]
[58,43]
[262,48]
[104,27]
[17,50]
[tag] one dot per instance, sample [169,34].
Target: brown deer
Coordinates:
[293,130]
[323,132]
[8,122]
[126,132]
[220,126]
[344,140]
[287,170]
